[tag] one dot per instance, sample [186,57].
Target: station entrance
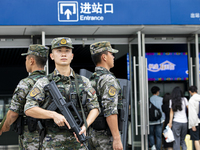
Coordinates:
[139,47]
[130,63]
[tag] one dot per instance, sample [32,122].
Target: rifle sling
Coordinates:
[76,84]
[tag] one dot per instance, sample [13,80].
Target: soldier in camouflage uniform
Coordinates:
[38,99]
[35,61]
[107,88]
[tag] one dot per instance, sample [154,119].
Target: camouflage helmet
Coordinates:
[61,41]
[99,47]
[37,50]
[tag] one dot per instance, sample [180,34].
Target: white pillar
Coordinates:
[197,60]
[46,68]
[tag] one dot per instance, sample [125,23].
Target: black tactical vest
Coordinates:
[100,123]
[95,77]
[68,95]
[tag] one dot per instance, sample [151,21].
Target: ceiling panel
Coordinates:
[99,30]
[165,40]
[118,30]
[170,29]
[15,42]
[12,30]
[81,41]
[61,30]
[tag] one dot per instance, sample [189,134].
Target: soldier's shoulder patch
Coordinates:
[112,91]
[34,92]
[92,90]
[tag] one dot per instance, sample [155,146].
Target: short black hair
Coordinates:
[193,89]
[40,61]
[155,89]
[96,58]
[166,99]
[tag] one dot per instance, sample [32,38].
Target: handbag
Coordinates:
[168,134]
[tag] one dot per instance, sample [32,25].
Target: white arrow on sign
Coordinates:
[62,5]
[68,13]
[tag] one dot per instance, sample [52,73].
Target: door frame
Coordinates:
[138,81]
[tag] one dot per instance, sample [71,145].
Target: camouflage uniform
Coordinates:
[28,140]
[56,138]
[108,91]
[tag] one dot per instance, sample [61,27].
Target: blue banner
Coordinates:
[128,65]
[167,66]
[102,12]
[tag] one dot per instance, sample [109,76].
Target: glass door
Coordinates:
[197,43]
[193,61]
[139,96]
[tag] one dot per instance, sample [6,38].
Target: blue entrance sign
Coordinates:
[186,11]
[102,12]
[167,66]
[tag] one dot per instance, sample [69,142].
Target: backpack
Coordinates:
[199,111]
[154,112]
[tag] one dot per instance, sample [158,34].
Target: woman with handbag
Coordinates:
[166,110]
[177,105]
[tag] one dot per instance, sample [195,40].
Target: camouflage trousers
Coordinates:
[61,140]
[29,140]
[100,140]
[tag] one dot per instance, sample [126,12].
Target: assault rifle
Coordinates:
[65,108]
